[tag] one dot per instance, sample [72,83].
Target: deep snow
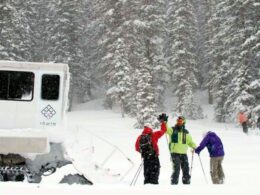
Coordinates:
[99,137]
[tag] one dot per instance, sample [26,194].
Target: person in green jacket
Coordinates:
[180,140]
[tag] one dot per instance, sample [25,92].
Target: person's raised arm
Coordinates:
[161,131]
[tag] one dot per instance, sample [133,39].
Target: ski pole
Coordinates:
[137,174]
[203,170]
[134,178]
[168,144]
[191,164]
[133,182]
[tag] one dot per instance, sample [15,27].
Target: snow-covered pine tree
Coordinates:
[5,29]
[182,30]
[120,80]
[37,17]
[152,15]
[133,38]
[201,12]
[145,98]
[232,42]
[93,49]
[255,89]
[220,74]
[144,55]
[115,63]
[253,42]
[67,43]
[235,66]
[12,32]
[247,68]
[204,10]
[220,81]
[111,10]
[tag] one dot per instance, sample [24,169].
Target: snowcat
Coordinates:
[33,102]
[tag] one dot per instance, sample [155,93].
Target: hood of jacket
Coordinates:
[147,130]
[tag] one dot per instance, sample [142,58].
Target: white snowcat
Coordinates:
[33,102]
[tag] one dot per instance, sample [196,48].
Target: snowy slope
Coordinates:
[100,137]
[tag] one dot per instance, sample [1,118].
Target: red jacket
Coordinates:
[242,117]
[155,137]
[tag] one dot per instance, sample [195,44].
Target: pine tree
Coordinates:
[67,43]
[37,17]
[5,29]
[152,15]
[133,33]
[182,60]
[204,10]
[93,49]
[253,43]
[116,65]
[146,39]
[234,65]
[120,80]
[220,74]
[246,69]
[12,32]
[145,98]
[254,88]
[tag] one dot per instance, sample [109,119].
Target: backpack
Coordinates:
[146,146]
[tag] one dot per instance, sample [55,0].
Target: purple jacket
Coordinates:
[213,143]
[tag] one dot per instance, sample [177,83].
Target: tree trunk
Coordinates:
[210,96]
[122,110]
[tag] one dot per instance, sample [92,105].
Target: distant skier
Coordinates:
[180,140]
[147,145]
[216,153]
[243,120]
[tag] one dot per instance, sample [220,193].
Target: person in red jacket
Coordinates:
[150,155]
[243,120]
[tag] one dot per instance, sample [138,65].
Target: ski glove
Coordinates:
[197,151]
[163,117]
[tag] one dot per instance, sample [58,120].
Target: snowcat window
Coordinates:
[50,87]
[17,86]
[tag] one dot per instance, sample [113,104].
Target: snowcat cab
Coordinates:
[33,101]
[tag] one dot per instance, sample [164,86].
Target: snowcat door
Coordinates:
[50,106]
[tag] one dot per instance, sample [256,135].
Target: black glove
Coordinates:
[162,117]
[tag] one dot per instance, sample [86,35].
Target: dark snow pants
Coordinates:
[151,170]
[180,161]
[245,128]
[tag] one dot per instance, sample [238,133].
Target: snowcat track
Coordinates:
[15,171]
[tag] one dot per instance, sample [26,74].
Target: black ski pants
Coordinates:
[245,128]
[151,169]
[180,161]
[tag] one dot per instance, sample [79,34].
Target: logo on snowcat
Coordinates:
[48,112]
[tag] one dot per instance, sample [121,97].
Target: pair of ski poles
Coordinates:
[200,165]
[133,182]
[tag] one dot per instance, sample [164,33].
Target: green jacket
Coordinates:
[180,139]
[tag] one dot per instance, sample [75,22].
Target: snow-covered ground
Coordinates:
[101,137]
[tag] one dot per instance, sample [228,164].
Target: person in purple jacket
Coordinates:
[216,153]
